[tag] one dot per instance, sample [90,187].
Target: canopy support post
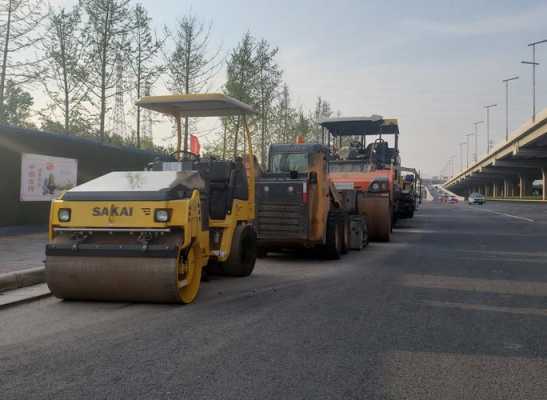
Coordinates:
[250,166]
[179,134]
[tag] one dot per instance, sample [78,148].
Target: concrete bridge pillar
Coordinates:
[485,189]
[525,186]
[506,185]
[494,190]
[544,180]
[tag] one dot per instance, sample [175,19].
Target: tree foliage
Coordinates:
[66,75]
[242,78]
[267,84]
[106,36]
[191,65]
[83,48]
[17,105]
[145,46]
[20,21]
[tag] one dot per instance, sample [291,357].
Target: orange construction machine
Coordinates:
[366,174]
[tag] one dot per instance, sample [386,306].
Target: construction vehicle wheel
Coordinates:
[345,233]
[379,219]
[333,246]
[189,275]
[241,261]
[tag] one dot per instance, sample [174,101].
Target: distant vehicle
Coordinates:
[475,198]
[452,200]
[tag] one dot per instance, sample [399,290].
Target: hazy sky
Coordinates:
[432,64]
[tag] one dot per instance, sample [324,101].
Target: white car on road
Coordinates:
[476,198]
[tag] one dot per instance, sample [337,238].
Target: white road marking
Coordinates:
[505,214]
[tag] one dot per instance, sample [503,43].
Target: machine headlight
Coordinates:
[378,186]
[162,214]
[64,214]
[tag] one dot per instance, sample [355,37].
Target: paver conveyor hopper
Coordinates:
[146,236]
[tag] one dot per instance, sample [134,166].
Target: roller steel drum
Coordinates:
[133,279]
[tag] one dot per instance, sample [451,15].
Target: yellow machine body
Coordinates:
[298,206]
[111,262]
[116,249]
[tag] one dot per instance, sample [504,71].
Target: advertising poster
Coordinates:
[43,177]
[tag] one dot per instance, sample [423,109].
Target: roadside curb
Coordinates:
[24,295]
[23,278]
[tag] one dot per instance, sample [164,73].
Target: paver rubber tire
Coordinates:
[241,261]
[346,234]
[333,245]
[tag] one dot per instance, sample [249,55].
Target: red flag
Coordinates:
[195,147]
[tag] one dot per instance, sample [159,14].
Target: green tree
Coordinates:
[106,33]
[191,65]
[241,83]
[144,49]
[321,111]
[17,105]
[65,81]
[20,22]
[303,126]
[286,118]
[268,81]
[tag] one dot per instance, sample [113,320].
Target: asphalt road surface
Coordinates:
[455,307]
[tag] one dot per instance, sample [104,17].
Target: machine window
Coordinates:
[286,162]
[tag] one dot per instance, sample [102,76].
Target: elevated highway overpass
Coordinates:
[510,169]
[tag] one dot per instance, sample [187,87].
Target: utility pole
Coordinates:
[476,155]
[534,64]
[488,126]
[467,148]
[147,119]
[461,155]
[506,81]
[119,126]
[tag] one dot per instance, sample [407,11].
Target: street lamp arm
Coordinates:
[538,42]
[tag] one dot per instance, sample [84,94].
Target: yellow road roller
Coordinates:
[146,236]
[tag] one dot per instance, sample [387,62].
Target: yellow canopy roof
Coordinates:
[196,105]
